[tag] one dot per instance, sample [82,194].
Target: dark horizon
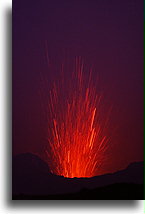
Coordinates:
[124,184]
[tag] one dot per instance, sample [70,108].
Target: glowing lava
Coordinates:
[76,145]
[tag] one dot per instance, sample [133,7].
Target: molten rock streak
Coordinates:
[76,145]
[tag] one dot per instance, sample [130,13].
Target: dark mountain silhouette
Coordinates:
[29,163]
[32,179]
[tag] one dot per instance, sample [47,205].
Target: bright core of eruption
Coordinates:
[76,144]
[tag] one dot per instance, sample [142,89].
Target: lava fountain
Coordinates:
[76,144]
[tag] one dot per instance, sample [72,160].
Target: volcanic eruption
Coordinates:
[76,143]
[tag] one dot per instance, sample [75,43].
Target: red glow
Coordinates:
[76,143]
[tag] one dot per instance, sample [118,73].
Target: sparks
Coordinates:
[76,145]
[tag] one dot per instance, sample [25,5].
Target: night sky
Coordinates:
[107,35]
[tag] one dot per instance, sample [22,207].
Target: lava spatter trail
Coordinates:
[76,144]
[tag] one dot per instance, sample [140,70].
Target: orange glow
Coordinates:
[76,145]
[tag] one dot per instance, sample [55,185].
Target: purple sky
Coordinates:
[109,36]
